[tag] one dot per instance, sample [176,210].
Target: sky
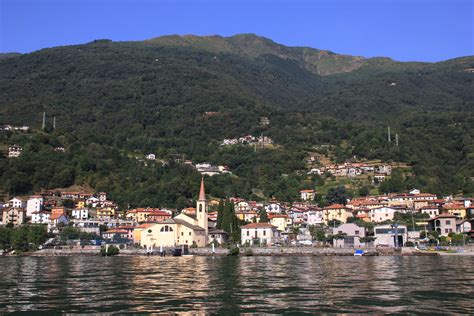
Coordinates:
[405,30]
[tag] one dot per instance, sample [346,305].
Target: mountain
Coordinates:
[116,100]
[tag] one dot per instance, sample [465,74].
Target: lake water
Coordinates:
[228,285]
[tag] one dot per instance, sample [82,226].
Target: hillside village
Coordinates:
[394,220]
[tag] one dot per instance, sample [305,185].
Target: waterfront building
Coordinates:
[390,235]
[381,214]
[443,224]
[352,235]
[259,233]
[184,229]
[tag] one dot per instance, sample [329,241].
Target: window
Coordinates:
[446,230]
[356,232]
[166,228]
[200,207]
[182,233]
[264,233]
[248,233]
[150,231]
[448,222]
[189,233]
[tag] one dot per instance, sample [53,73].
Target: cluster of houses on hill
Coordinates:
[266,223]
[248,140]
[379,172]
[22,128]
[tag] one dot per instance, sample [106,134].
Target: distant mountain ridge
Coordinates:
[321,62]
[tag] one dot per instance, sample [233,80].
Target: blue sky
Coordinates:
[423,30]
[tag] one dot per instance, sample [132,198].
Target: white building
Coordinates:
[80,213]
[14,151]
[314,217]
[307,195]
[40,217]
[386,235]
[381,214]
[273,208]
[16,203]
[259,233]
[34,204]
[151,157]
[92,201]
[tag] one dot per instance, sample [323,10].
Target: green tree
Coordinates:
[337,195]
[264,216]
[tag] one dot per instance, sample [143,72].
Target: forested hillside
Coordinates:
[114,101]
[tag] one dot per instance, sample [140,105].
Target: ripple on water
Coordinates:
[245,284]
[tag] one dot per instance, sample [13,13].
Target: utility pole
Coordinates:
[44,121]
[388,133]
[396,140]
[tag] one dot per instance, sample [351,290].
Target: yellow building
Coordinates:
[336,211]
[80,204]
[280,221]
[105,212]
[184,229]
[137,232]
[455,209]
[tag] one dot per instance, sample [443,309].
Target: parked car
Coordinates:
[305,242]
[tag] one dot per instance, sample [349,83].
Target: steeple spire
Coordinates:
[202,194]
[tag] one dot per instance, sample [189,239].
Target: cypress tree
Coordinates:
[220,214]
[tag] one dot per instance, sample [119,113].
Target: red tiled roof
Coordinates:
[334,207]
[258,225]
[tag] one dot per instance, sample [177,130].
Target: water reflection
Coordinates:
[229,285]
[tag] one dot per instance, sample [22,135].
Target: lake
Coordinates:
[229,285]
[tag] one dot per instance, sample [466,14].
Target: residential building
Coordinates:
[314,217]
[307,195]
[105,212]
[41,217]
[14,151]
[13,215]
[432,211]
[443,224]
[336,212]
[80,213]
[381,214]
[16,203]
[34,204]
[259,233]
[456,209]
[280,221]
[352,235]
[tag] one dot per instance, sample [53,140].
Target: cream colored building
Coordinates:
[184,229]
[336,211]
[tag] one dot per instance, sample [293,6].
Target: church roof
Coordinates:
[184,223]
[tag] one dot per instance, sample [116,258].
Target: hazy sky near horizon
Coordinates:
[406,30]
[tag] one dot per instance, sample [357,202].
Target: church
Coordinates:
[183,229]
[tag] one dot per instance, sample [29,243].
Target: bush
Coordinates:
[112,251]
[234,251]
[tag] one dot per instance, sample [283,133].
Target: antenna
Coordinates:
[396,140]
[44,120]
[388,133]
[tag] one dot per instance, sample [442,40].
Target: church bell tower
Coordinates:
[202,209]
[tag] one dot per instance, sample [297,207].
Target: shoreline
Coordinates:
[262,252]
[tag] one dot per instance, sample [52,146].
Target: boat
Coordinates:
[359,252]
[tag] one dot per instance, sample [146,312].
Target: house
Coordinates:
[273,208]
[34,204]
[151,157]
[390,235]
[259,233]
[80,213]
[92,201]
[463,226]
[242,206]
[137,232]
[280,221]
[56,219]
[14,151]
[115,234]
[41,217]
[105,212]
[432,211]
[141,215]
[352,234]
[381,214]
[158,215]
[183,229]
[14,215]
[307,195]
[218,235]
[456,209]
[336,212]
[16,203]
[443,224]
[314,217]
